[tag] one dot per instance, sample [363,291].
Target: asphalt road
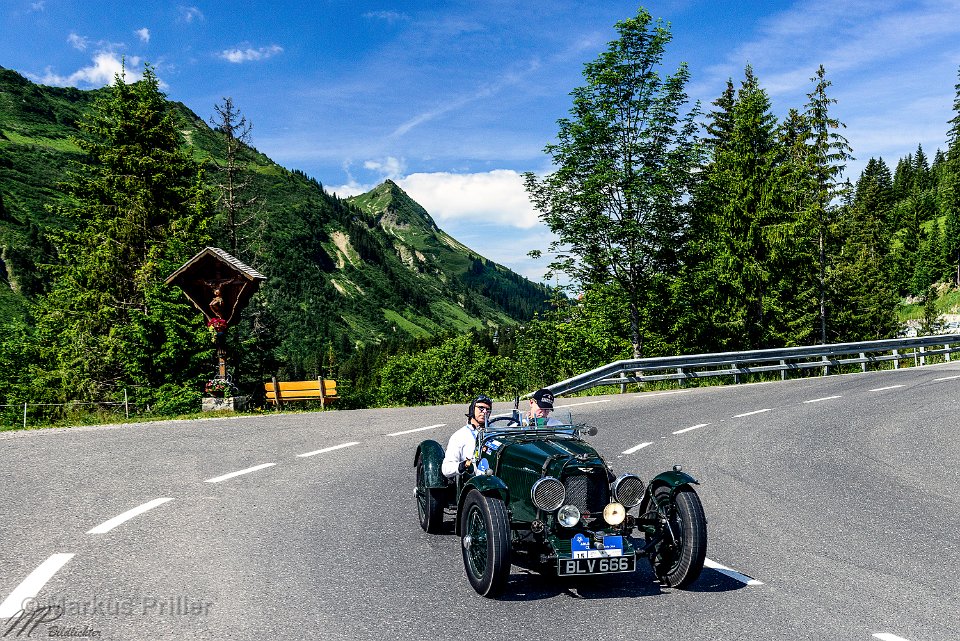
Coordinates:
[832,506]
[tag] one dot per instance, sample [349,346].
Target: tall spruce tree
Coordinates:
[829,152]
[862,289]
[624,158]
[137,210]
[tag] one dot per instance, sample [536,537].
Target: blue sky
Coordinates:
[454,100]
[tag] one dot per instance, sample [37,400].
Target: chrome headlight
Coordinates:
[548,494]
[568,515]
[628,490]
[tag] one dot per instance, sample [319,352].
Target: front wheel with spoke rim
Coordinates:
[485,543]
[678,558]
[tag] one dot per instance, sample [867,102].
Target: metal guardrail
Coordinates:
[787,359]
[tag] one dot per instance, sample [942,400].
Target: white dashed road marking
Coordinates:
[946,378]
[881,389]
[217,479]
[825,398]
[695,427]
[606,400]
[733,574]
[417,429]
[635,448]
[328,449]
[106,526]
[32,584]
[886,636]
[752,413]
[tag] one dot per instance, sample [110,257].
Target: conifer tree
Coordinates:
[624,159]
[137,211]
[829,152]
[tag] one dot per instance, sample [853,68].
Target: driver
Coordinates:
[541,404]
[458,458]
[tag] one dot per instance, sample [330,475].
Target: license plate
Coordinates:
[607,565]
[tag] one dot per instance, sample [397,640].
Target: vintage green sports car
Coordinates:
[543,497]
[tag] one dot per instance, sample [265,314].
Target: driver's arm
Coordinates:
[459,449]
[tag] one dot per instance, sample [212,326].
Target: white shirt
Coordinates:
[462,446]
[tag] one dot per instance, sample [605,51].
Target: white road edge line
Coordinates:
[695,427]
[106,526]
[636,447]
[882,389]
[886,636]
[825,398]
[217,479]
[733,574]
[328,449]
[417,429]
[752,413]
[946,378]
[649,394]
[559,407]
[29,587]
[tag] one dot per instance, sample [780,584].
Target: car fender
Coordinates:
[488,485]
[432,454]
[674,479]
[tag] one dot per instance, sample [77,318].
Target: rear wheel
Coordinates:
[485,543]
[429,507]
[678,558]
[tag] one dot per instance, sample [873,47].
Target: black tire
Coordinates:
[485,543]
[678,560]
[429,507]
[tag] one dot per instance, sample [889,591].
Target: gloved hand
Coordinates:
[465,466]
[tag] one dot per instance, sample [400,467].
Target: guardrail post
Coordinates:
[682,376]
[24,416]
[923,359]
[915,357]
[736,376]
[126,403]
[623,386]
[946,356]
[826,367]
[896,359]
[863,362]
[783,370]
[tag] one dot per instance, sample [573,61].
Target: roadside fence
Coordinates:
[115,405]
[920,350]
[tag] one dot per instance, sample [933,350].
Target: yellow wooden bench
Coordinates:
[279,392]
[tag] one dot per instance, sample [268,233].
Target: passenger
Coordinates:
[541,404]
[458,458]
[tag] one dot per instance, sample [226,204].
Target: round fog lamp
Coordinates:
[614,513]
[568,515]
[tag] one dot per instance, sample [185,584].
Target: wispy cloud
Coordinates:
[143,34]
[38,6]
[190,14]
[249,54]
[78,42]
[508,79]
[388,16]
[106,65]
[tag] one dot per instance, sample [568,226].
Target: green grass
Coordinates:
[60,144]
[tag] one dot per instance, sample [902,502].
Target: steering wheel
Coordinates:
[509,420]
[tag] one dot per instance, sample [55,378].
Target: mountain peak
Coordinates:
[393,207]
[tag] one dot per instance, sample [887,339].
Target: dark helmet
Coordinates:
[483,398]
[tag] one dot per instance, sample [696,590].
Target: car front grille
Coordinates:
[589,492]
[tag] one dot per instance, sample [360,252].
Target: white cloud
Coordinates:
[38,6]
[496,197]
[105,66]
[389,167]
[389,16]
[246,55]
[78,42]
[143,34]
[189,14]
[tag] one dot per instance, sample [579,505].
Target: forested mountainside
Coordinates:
[341,273]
